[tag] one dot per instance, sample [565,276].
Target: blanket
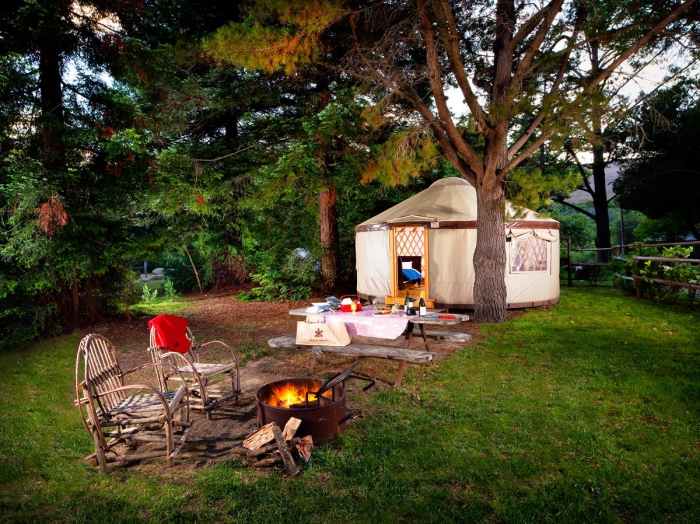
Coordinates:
[410,274]
[171,333]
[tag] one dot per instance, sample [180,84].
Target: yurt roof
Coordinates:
[447,200]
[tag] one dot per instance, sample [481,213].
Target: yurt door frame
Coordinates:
[410,242]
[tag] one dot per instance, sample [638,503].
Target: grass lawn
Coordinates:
[587,411]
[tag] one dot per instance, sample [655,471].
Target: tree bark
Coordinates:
[327,207]
[490,254]
[600,199]
[329,234]
[51,119]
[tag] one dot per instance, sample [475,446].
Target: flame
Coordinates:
[288,394]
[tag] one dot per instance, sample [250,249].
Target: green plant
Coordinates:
[581,412]
[148,295]
[169,289]
[291,280]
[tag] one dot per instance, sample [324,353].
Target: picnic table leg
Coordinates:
[406,345]
[425,338]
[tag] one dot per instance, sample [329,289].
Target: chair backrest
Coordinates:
[100,372]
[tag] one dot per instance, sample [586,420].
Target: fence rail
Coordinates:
[620,249]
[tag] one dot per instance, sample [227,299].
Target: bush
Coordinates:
[293,280]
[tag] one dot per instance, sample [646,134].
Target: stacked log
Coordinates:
[270,445]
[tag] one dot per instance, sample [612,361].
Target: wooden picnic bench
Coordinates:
[402,354]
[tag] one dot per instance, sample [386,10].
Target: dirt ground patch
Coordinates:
[247,327]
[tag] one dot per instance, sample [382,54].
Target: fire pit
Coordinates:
[319,404]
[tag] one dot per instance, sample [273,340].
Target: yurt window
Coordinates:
[528,254]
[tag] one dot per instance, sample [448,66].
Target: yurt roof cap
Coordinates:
[451,199]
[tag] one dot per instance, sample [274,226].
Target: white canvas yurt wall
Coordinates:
[447,211]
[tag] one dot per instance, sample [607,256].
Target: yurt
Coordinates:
[426,244]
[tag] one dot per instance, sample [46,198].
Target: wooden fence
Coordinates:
[590,269]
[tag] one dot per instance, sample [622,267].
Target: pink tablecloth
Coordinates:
[366,324]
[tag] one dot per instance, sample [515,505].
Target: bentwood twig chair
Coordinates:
[115,413]
[213,377]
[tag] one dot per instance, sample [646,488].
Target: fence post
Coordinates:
[568,260]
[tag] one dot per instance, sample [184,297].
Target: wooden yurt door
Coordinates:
[409,254]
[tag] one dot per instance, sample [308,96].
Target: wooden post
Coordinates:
[568,260]
[392,255]
[426,286]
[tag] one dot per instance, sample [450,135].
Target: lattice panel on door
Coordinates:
[409,241]
[528,254]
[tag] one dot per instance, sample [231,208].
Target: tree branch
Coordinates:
[574,207]
[524,66]
[449,38]
[433,61]
[581,170]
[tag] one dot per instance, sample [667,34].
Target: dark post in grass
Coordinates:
[568,260]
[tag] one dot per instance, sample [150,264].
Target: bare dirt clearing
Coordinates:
[247,326]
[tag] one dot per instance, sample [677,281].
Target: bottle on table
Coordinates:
[410,310]
[405,301]
[422,309]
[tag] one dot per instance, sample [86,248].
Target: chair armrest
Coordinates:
[139,368]
[205,344]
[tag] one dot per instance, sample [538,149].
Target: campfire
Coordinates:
[319,404]
[291,394]
[297,413]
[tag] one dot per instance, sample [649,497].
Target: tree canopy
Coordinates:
[663,180]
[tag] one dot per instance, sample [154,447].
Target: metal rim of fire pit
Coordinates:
[337,380]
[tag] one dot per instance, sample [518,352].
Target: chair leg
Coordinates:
[170,439]
[99,451]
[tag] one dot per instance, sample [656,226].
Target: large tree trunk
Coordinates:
[328,211]
[329,234]
[600,204]
[490,254]
[51,119]
[600,194]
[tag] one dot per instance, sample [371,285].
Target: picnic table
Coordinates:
[366,324]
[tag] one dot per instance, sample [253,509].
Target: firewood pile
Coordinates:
[270,445]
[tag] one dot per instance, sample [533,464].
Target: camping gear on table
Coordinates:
[322,334]
[347,301]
